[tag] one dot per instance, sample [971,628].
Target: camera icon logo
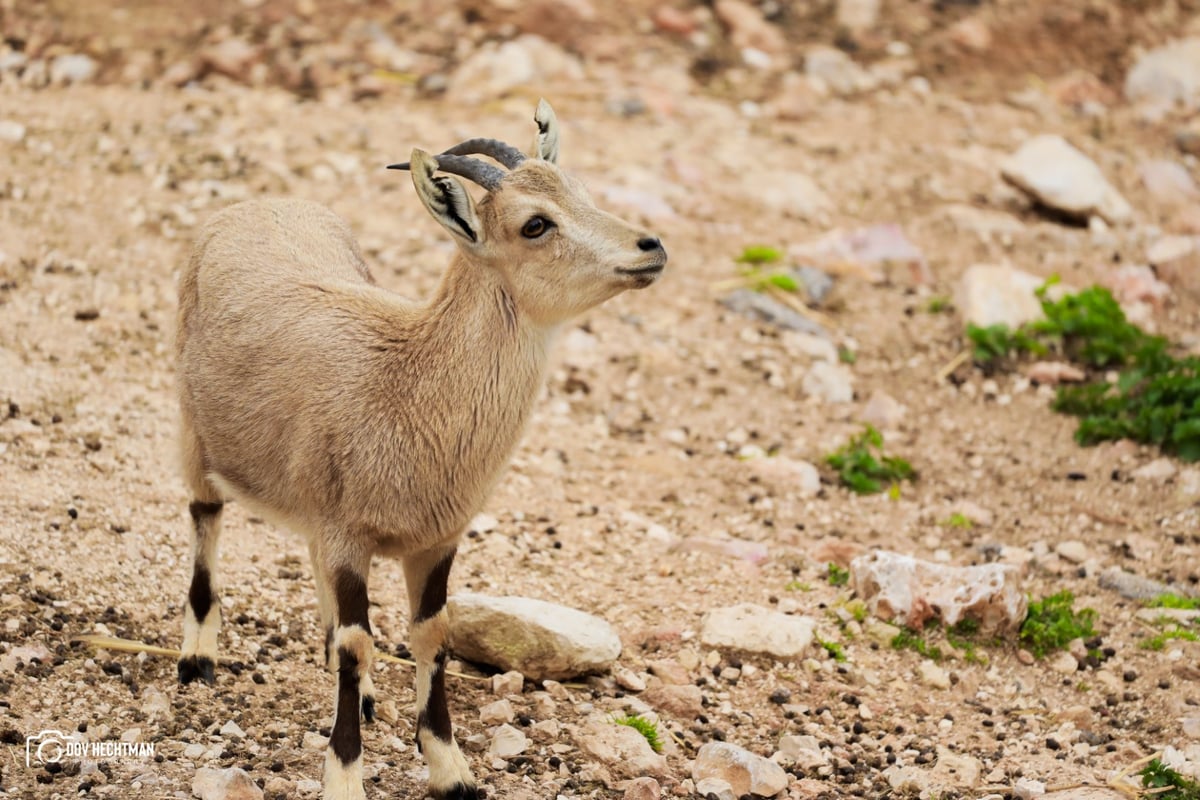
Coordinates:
[47,747]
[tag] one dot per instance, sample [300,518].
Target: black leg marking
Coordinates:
[193,667]
[433,594]
[328,642]
[350,594]
[200,596]
[435,717]
[460,792]
[346,739]
[200,509]
[368,709]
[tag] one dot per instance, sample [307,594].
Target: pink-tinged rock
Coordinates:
[754,552]
[972,34]
[621,749]
[786,476]
[748,28]
[883,411]
[1168,182]
[1177,261]
[672,20]
[1167,76]
[1052,373]
[671,672]
[998,295]
[231,57]
[909,591]
[1054,173]
[682,701]
[754,629]
[746,772]
[867,251]
[224,784]
[1133,284]
[644,788]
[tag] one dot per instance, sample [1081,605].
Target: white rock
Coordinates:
[629,680]
[1168,181]
[832,70]
[786,475]
[643,788]
[910,591]
[540,639]
[1064,664]
[792,194]
[1167,75]
[11,131]
[1158,470]
[314,741]
[755,629]
[998,295]
[497,712]
[832,383]
[803,751]
[1061,177]
[307,787]
[232,730]
[224,784]
[883,411]
[955,770]
[507,742]
[716,787]
[857,15]
[155,703]
[746,772]
[907,779]
[933,676]
[194,751]
[620,748]
[1028,789]
[506,683]
[72,68]
[495,70]
[1073,550]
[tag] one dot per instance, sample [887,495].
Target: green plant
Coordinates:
[1159,641]
[797,586]
[759,254]
[938,304]
[863,467]
[846,355]
[645,727]
[834,649]
[837,576]
[957,520]
[1052,623]
[1175,601]
[1167,784]
[908,639]
[1156,399]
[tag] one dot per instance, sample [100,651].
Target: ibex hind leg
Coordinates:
[202,610]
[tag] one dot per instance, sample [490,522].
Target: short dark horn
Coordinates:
[506,154]
[472,169]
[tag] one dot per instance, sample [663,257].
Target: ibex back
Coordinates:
[372,425]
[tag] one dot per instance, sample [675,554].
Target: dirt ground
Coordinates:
[633,451]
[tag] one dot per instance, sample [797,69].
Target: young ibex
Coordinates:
[376,426]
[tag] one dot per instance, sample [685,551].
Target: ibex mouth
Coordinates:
[649,269]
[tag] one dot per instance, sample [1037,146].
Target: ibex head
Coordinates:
[539,227]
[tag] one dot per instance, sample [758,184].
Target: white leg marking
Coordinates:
[343,781]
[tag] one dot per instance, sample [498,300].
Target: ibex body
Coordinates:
[372,425]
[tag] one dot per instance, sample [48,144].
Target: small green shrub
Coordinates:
[1175,601]
[908,639]
[1159,641]
[1052,623]
[834,649]
[1165,783]
[759,254]
[643,726]
[863,467]
[837,576]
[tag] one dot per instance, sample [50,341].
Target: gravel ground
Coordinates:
[641,452]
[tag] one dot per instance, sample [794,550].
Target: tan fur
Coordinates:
[368,423]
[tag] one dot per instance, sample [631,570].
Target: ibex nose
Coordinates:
[649,244]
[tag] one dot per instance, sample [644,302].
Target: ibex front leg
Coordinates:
[426,575]
[351,654]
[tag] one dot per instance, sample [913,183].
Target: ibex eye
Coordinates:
[535,227]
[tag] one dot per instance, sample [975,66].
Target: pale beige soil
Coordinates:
[637,431]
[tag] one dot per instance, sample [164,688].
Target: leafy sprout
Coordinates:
[1167,784]
[759,254]
[1175,601]
[645,727]
[1052,623]
[863,467]
[837,576]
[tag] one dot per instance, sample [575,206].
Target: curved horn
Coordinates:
[472,169]
[506,154]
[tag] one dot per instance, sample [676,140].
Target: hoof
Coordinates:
[461,792]
[368,709]
[193,667]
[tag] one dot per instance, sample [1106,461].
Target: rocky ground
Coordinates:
[674,467]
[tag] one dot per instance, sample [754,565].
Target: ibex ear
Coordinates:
[545,145]
[445,198]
